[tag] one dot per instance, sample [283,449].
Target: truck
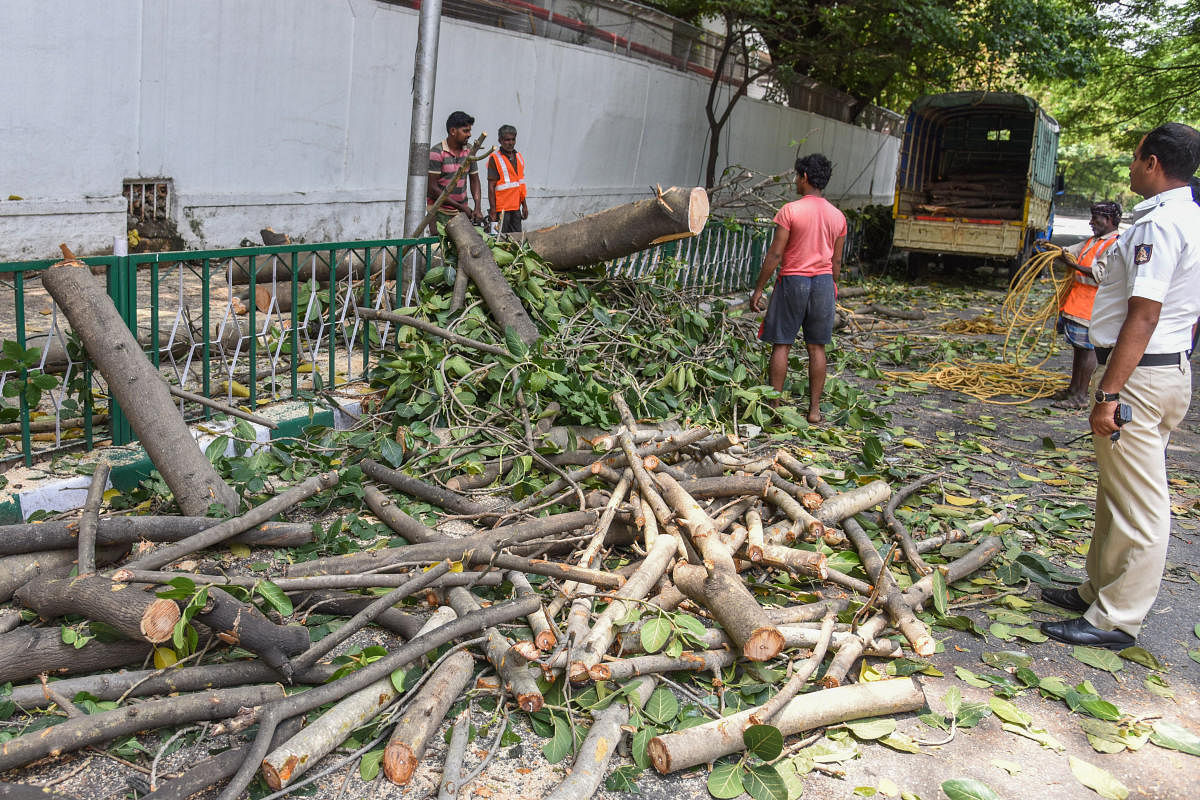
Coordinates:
[976,180]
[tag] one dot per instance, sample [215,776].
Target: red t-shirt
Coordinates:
[813,224]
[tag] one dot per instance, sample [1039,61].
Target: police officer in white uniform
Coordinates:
[1142,330]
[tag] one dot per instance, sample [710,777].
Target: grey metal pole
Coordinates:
[424,80]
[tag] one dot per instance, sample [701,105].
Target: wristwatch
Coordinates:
[1107,397]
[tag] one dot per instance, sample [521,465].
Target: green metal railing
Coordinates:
[307,325]
[288,328]
[722,258]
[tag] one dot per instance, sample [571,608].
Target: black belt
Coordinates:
[1148,360]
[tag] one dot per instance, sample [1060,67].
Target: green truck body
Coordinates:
[976,177]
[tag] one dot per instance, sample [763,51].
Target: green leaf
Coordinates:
[391,451]
[654,634]
[1175,737]
[1098,780]
[513,342]
[1100,709]
[764,741]
[1008,660]
[1098,658]
[725,781]
[1008,712]
[559,746]
[1140,655]
[1159,686]
[968,789]
[763,782]
[662,707]
[640,740]
[690,627]
[900,741]
[871,727]
[872,452]
[952,699]
[275,596]
[368,767]
[623,779]
[941,596]
[970,678]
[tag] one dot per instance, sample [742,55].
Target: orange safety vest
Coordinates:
[510,189]
[1079,299]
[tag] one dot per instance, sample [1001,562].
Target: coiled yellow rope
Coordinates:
[1025,315]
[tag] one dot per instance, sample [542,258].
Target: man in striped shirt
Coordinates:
[445,158]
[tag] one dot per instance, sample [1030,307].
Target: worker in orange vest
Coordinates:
[506,183]
[1088,259]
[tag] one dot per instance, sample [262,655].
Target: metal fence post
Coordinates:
[122,288]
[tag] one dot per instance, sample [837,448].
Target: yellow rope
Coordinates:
[1025,326]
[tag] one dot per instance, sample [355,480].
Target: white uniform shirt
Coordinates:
[1157,258]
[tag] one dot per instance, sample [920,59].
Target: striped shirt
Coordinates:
[443,163]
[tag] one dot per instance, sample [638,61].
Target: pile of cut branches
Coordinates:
[581,548]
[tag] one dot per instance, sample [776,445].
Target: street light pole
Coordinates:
[424,80]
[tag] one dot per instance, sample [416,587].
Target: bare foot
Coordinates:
[1070,402]
[1061,394]
[815,417]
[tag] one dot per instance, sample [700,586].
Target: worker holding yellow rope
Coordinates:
[1027,313]
[1089,260]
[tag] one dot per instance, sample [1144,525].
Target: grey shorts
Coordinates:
[800,302]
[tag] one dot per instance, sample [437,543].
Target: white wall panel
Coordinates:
[295,113]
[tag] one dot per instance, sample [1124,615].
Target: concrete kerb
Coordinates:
[37,489]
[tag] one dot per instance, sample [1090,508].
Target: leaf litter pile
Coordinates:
[608,531]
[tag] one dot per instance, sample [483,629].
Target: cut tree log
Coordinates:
[18,570]
[89,521]
[517,678]
[231,527]
[238,623]
[705,743]
[639,584]
[26,652]
[391,515]
[424,716]
[454,549]
[429,327]
[837,507]
[476,259]
[139,389]
[173,680]
[676,213]
[915,596]
[907,546]
[545,636]
[608,726]
[31,537]
[130,609]
[717,585]
[75,734]
[330,692]
[688,661]
[415,487]
[795,683]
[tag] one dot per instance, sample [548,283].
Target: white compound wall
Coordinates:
[295,114]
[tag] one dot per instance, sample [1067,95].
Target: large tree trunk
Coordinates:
[139,389]
[677,213]
[475,257]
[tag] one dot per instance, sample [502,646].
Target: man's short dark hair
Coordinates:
[458,119]
[505,130]
[1177,147]
[817,167]
[1109,209]
[1195,184]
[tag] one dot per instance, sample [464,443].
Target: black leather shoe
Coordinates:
[1065,598]
[1080,631]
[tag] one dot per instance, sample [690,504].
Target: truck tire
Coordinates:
[918,264]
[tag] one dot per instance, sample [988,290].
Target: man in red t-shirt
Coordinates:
[809,236]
